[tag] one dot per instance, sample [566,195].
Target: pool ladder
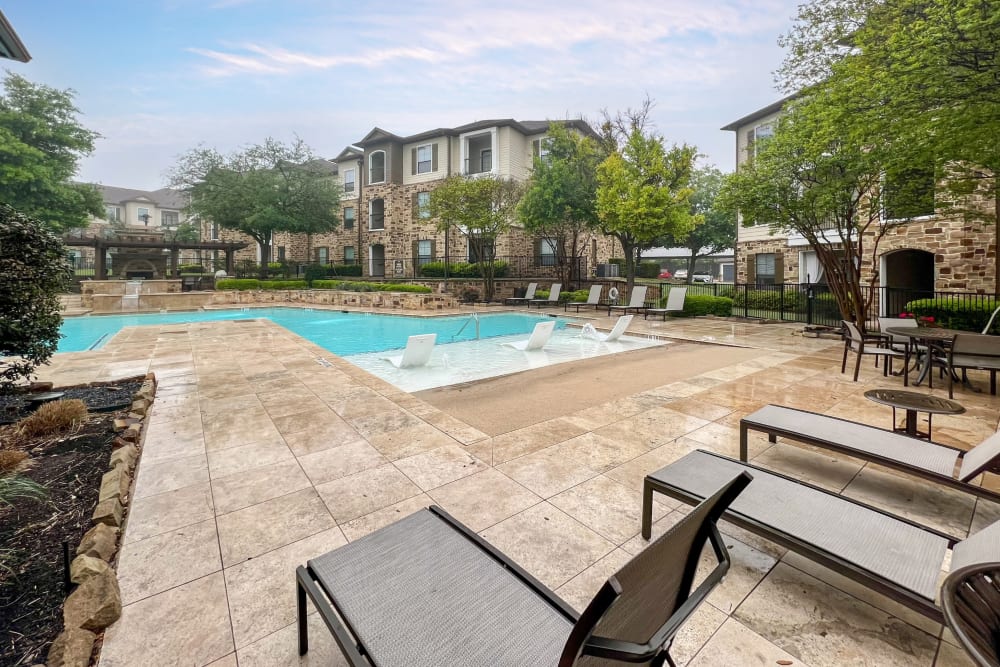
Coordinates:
[474,316]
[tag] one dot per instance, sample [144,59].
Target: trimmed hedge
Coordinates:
[315,272]
[237,284]
[190,268]
[283,284]
[768,299]
[346,270]
[563,296]
[696,304]
[955,314]
[648,269]
[358,286]
[462,270]
[579,296]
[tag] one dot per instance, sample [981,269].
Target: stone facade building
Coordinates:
[928,251]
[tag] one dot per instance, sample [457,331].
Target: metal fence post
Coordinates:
[810,295]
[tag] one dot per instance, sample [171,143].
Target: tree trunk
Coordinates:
[692,260]
[265,253]
[996,236]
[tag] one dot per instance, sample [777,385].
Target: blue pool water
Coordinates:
[341,333]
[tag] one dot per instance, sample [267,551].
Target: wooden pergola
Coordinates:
[100,247]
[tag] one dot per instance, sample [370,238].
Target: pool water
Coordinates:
[341,333]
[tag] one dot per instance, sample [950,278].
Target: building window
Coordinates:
[281,253]
[143,215]
[425,156]
[376,167]
[908,193]
[547,252]
[349,257]
[485,160]
[765,268]
[756,137]
[349,217]
[215,231]
[376,214]
[425,252]
[169,219]
[348,180]
[113,213]
[323,255]
[423,205]
[540,148]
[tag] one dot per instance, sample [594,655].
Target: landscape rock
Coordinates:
[132,433]
[99,542]
[108,512]
[38,387]
[85,567]
[120,425]
[120,442]
[115,484]
[139,406]
[124,456]
[95,604]
[72,648]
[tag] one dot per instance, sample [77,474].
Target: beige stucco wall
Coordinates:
[442,170]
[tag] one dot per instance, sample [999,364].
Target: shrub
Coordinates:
[347,270]
[283,284]
[462,270]
[768,299]
[697,304]
[10,459]
[359,286]
[246,267]
[579,296]
[237,283]
[190,268]
[315,272]
[13,487]
[648,269]
[954,313]
[34,270]
[51,418]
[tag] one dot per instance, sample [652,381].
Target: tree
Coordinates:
[41,142]
[811,180]
[560,200]
[923,74]
[482,208]
[643,194]
[715,228]
[34,270]
[260,190]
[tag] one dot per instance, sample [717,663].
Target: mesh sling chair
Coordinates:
[426,590]
[971,600]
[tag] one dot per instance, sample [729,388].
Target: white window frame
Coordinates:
[482,154]
[113,213]
[143,211]
[424,257]
[425,165]
[371,204]
[756,263]
[423,205]
[323,255]
[353,218]
[544,148]
[761,131]
[350,181]
[385,161]
[547,258]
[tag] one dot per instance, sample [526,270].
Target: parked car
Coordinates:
[701,278]
[666,274]
[681,273]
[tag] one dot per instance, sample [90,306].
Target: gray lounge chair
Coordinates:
[529,294]
[893,556]
[915,457]
[593,299]
[971,600]
[636,302]
[427,591]
[551,300]
[674,304]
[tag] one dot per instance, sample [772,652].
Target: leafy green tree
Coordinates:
[922,74]
[481,208]
[811,180]
[715,228]
[34,270]
[560,202]
[643,194]
[186,232]
[41,142]
[266,188]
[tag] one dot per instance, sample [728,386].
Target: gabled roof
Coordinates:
[772,108]
[11,45]
[163,198]
[378,135]
[526,127]
[350,153]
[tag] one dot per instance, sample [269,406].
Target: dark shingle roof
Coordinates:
[163,198]
[378,135]
[760,113]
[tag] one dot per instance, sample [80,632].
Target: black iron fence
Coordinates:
[426,267]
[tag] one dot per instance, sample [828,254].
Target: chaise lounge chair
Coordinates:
[417,353]
[893,556]
[552,300]
[539,337]
[675,303]
[901,452]
[636,302]
[593,299]
[529,294]
[618,329]
[428,591]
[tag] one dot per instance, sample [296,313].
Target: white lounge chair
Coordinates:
[618,329]
[552,300]
[593,299]
[675,303]
[417,353]
[539,337]
[529,294]
[637,301]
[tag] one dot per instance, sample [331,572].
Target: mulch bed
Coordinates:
[70,467]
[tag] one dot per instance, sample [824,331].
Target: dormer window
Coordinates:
[376,167]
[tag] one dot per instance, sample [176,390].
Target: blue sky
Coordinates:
[158,77]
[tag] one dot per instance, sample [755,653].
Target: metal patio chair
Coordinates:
[971,600]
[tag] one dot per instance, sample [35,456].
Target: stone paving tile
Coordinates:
[158,563]
[330,464]
[254,486]
[735,644]
[437,467]
[171,474]
[162,513]
[365,492]
[254,454]
[466,501]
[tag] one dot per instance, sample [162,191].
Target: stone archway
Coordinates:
[906,274]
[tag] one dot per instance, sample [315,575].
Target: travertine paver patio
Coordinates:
[264,450]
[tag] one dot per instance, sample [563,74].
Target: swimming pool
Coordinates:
[342,333]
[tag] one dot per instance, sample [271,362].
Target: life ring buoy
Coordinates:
[613,293]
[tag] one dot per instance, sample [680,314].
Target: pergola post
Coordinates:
[230,263]
[100,261]
[174,251]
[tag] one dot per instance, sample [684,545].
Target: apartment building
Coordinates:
[386,179]
[929,251]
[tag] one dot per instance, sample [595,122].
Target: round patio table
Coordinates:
[913,403]
[937,338]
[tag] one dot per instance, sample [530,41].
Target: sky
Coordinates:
[157,78]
